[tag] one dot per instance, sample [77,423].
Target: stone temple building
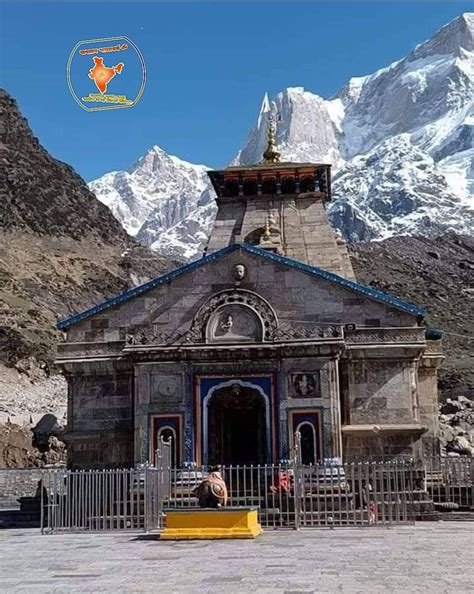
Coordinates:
[267,334]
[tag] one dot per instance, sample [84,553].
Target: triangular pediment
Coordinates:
[261,281]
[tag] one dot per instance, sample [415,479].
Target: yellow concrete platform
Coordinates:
[205,523]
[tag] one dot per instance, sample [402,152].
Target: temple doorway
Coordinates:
[308,443]
[168,435]
[237,427]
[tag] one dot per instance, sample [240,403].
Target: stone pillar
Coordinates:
[428,367]
[189,421]
[142,403]
[335,435]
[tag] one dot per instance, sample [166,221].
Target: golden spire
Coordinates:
[271,154]
[267,231]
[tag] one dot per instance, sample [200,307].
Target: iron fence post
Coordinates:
[297,480]
[42,507]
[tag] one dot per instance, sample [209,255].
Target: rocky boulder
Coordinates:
[32,446]
[456,422]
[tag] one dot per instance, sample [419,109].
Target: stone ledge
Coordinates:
[386,429]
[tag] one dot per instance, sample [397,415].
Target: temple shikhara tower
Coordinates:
[267,334]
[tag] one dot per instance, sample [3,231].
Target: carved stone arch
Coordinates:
[235,302]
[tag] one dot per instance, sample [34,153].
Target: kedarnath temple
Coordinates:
[267,334]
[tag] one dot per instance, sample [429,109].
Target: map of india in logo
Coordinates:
[113,66]
[102,75]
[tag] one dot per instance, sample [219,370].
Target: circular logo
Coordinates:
[107,73]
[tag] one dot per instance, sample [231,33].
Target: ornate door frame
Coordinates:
[207,385]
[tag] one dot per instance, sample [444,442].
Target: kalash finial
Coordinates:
[267,231]
[271,154]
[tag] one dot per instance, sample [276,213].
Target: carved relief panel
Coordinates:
[304,385]
[235,315]
[166,388]
[234,323]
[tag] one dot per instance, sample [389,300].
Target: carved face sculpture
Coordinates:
[304,385]
[239,272]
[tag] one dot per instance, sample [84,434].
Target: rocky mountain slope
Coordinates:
[61,250]
[400,140]
[437,273]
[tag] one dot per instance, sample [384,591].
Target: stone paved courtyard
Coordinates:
[428,557]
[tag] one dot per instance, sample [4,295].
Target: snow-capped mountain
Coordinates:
[401,143]
[154,198]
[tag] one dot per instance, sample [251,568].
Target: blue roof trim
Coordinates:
[433,333]
[156,282]
[296,264]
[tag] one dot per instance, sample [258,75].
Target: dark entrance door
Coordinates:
[237,428]
[308,440]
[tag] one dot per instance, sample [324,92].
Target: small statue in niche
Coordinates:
[237,324]
[212,491]
[227,324]
[239,272]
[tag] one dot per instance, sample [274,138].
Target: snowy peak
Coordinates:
[396,189]
[426,95]
[157,160]
[302,129]
[401,142]
[454,37]
[154,195]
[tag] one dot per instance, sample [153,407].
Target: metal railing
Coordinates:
[266,487]
[320,495]
[450,482]
[94,500]
[157,487]
[288,495]
[103,500]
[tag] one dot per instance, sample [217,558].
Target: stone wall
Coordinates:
[159,388]
[227,225]
[293,294]
[325,400]
[380,392]
[102,401]
[378,447]
[18,483]
[100,417]
[301,224]
[100,450]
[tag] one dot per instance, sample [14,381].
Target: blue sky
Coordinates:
[208,66]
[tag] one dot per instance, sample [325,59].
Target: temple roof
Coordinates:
[251,249]
[279,165]
[271,176]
